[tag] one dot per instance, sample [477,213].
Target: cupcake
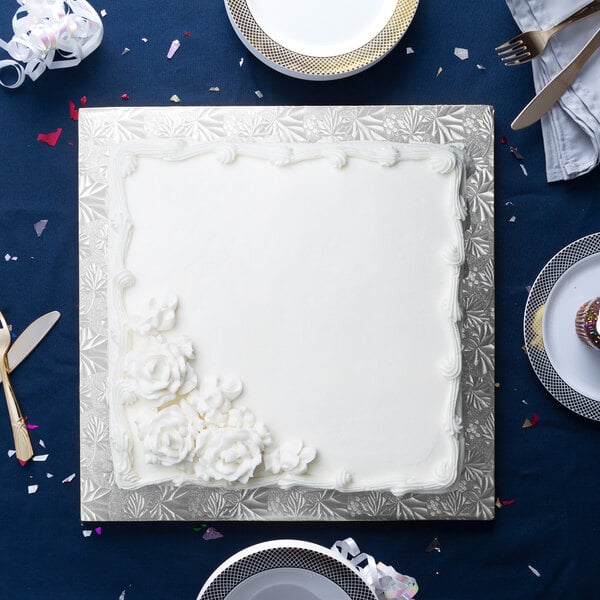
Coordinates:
[586,323]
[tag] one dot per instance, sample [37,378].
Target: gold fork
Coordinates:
[526,46]
[17,421]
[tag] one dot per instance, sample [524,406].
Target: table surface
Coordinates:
[550,471]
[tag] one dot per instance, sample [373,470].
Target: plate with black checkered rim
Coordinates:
[564,264]
[289,569]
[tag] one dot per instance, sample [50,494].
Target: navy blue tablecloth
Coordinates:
[550,471]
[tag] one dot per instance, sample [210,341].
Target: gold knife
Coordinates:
[556,87]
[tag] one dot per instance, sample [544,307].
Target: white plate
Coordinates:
[312,39]
[569,369]
[289,569]
[578,364]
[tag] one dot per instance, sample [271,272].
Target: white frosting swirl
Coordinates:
[159,369]
[228,454]
[342,479]
[168,438]
[291,457]
[160,316]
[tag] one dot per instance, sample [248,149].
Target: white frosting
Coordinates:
[326,277]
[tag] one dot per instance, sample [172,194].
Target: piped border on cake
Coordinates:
[442,159]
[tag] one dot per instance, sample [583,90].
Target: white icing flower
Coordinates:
[168,438]
[160,316]
[216,395]
[228,454]
[290,457]
[159,369]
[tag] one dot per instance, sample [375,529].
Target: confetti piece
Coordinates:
[211,534]
[83,100]
[175,45]
[175,98]
[69,478]
[526,424]
[241,61]
[481,67]
[40,457]
[409,50]
[42,443]
[73,112]
[98,530]
[513,219]
[259,94]
[145,40]
[534,571]
[124,96]
[508,502]
[187,34]
[86,533]
[50,138]
[515,152]
[523,169]
[461,53]
[214,89]
[32,489]
[503,140]
[498,503]
[125,50]
[535,420]
[49,475]
[11,453]
[103,12]
[434,545]
[528,288]
[40,226]
[439,72]
[7,257]
[32,426]
[200,528]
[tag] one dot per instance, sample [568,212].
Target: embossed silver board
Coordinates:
[103,130]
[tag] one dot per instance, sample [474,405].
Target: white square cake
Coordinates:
[285,314]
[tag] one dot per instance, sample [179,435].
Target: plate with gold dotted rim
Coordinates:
[572,268]
[316,40]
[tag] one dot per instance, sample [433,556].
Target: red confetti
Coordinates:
[503,140]
[187,34]
[124,96]
[73,112]
[83,100]
[535,420]
[508,502]
[50,138]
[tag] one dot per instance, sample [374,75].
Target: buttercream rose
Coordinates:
[169,437]
[291,457]
[228,454]
[159,370]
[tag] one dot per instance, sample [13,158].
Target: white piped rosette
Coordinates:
[384,580]
[50,34]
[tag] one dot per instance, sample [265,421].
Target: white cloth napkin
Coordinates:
[571,129]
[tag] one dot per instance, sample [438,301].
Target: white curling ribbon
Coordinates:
[50,34]
[384,580]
